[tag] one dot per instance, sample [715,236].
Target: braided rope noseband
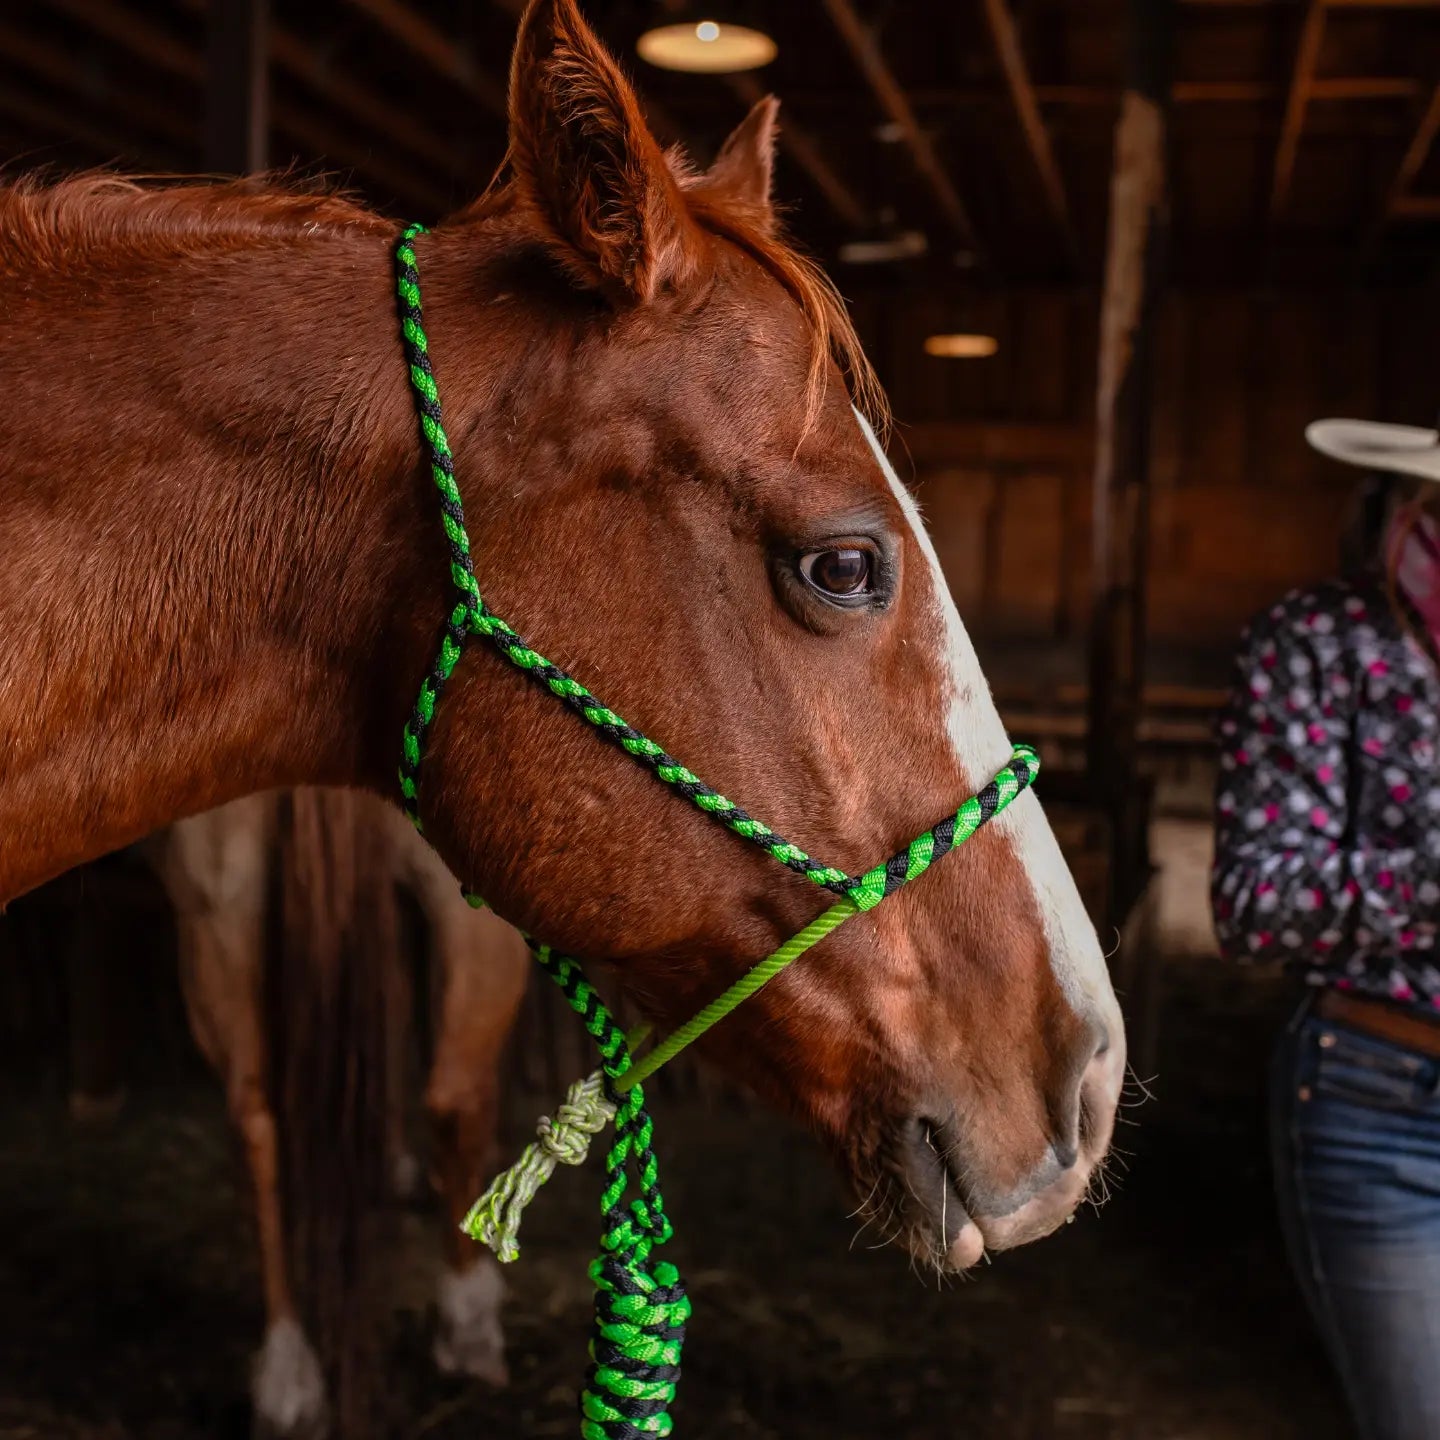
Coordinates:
[640,1304]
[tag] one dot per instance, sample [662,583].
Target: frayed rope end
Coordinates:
[494,1219]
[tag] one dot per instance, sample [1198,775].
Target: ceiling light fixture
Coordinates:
[707,48]
[961,347]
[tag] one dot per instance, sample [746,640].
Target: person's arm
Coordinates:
[1292,875]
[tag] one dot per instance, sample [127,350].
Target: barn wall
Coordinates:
[1242,510]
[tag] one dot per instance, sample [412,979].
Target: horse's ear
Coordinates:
[586,162]
[745,167]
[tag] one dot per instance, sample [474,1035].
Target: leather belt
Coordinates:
[1382,1020]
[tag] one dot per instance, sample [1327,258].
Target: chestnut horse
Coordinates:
[224,573]
[216,868]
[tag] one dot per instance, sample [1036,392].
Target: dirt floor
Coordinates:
[130,1305]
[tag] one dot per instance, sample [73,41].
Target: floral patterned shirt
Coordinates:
[1327,849]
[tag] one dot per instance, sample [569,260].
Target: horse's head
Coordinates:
[672,497]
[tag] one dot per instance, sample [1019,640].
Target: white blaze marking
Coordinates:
[981,748]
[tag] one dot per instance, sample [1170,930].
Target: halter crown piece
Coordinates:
[640,1303]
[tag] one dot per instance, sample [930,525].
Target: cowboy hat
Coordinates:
[1393,449]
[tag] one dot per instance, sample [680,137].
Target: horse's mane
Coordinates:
[51,224]
[55,224]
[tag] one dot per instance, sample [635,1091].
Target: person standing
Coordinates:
[1328,861]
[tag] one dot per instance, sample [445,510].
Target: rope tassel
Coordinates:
[494,1219]
[640,1303]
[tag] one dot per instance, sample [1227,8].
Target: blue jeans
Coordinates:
[1355,1134]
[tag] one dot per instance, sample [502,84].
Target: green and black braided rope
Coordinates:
[921,853]
[640,1303]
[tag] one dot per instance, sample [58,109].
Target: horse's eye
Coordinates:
[839,574]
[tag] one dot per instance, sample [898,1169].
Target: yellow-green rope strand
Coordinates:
[753,980]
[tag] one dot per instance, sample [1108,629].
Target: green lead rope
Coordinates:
[640,1304]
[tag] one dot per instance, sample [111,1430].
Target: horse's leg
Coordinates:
[214,868]
[482,966]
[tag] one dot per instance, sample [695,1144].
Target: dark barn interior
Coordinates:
[1113,488]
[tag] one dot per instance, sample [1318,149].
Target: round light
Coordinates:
[708,48]
[961,347]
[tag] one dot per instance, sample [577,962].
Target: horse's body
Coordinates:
[225,574]
[216,870]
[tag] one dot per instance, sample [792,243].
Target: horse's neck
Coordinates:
[209,562]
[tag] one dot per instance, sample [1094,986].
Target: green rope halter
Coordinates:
[640,1303]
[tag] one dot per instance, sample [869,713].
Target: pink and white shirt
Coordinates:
[1327,850]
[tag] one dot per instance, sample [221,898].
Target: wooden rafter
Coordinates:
[58,67]
[361,104]
[50,120]
[1416,154]
[805,151]
[860,41]
[1302,80]
[155,47]
[437,49]
[1006,38]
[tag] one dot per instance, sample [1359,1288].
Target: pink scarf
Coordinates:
[1413,550]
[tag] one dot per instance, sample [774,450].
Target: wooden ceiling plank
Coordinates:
[441,53]
[155,47]
[47,119]
[1232,92]
[860,41]
[1302,78]
[1416,154]
[58,68]
[145,41]
[1006,39]
[330,144]
[302,61]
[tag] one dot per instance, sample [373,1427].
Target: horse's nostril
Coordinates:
[1068,1155]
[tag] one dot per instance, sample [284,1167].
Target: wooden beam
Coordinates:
[805,151]
[1302,78]
[1331,4]
[962,444]
[138,37]
[437,49]
[237,86]
[302,61]
[1006,39]
[57,67]
[1138,225]
[1416,207]
[60,124]
[298,58]
[860,41]
[1416,153]
[154,47]
[1218,92]
[339,146]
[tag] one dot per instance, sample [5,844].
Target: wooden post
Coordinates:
[1138,224]
[237,86]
